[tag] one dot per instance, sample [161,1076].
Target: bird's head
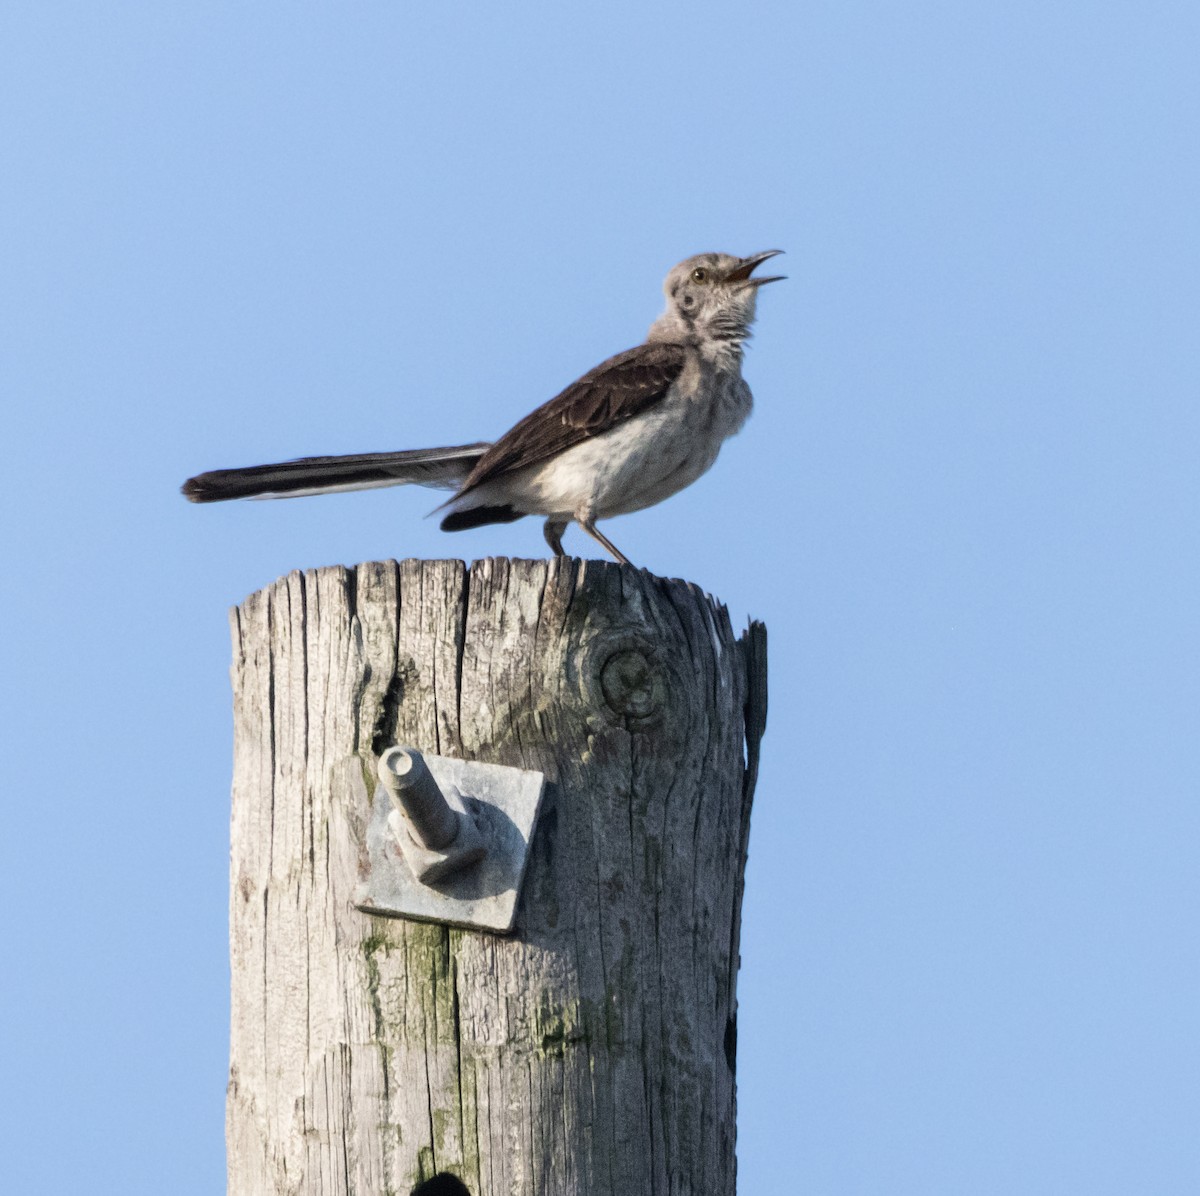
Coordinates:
[711,298]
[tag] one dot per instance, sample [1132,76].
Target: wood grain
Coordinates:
[593,1051]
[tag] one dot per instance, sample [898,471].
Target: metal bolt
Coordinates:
[414,792]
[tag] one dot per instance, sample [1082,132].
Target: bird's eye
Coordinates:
[699,274]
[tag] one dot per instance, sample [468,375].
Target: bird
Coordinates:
[633,431]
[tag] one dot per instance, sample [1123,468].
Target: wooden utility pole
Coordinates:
[589,1053]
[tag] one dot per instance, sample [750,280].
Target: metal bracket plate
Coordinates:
[504,803]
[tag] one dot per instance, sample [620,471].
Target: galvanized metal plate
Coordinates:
[504,803]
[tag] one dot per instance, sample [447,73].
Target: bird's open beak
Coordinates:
[742,271]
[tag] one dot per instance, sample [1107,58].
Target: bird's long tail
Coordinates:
[442,468]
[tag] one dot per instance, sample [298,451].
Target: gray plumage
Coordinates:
[636,429]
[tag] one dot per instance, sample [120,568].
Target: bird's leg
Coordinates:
[553,531]
[589,526]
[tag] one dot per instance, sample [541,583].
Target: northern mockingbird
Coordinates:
[631,432]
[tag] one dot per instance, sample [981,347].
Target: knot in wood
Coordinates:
[632,686]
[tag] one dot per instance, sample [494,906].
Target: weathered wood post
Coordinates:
[591,1052]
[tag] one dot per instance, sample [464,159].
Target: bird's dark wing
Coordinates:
[616,390]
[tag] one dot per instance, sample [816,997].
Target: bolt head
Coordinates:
[397,761]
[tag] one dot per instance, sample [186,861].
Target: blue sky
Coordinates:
[966,507]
